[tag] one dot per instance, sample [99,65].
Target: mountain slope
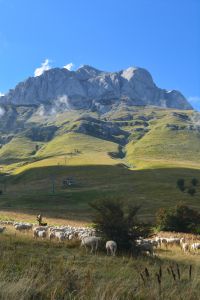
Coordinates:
[174,139]
[138,137]
[96,117]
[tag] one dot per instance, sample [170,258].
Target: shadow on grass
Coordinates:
[32,190]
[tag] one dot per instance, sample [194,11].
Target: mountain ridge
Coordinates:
[92,89]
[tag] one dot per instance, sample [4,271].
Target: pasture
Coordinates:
[42,269]
[31,192]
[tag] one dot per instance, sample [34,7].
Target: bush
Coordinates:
[181,184]
[190,188]
[116,222]
[194,181]
[191,191]
[179,219]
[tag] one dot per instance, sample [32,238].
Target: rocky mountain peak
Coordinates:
[90,88]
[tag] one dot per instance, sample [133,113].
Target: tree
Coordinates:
[179,219]
[116,222]
[181,184]
[194,181]
[190,189]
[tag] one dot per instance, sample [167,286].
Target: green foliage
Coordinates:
[118,223]
[191,191]
[181,184]
[179,219]
[194,182]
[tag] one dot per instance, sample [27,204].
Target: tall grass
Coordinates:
[32,269]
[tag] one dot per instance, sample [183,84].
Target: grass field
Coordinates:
[31,190]
[37,269]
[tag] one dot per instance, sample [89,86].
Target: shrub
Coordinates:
[194,181]
[116,222]
[191,191]
[181,184]
[179,219]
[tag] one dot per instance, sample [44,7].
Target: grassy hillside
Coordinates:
[18,149]
[174,139]
[161,147]
[32,190]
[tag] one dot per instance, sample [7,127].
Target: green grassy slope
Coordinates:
[162,146]
[70,143]
[171,140]
[31,190]
[18,149]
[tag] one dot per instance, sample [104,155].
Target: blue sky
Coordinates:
[162,36]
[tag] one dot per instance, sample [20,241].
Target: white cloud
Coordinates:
[41,111]
[69,66]
[45,66]
[195,101]
[1,94]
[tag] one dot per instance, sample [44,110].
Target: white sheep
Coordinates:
[61,236]
[195,246]
[51,235]
[41,228]
[185,247]
[92,242]
[39,233]
[111,246]
[20,227]
[173,241]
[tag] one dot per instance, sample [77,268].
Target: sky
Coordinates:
[162,36]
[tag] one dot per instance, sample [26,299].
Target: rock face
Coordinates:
[92,89]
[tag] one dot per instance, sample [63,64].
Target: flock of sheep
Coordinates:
[62,233]
[187,245]
[88,238]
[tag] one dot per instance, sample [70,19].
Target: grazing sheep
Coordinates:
[173,241]
[51,235]
[41,228]
[185,247]
[163,241]
[92,242]
[195,246]
[158,240]
[61,236]
[23,226]
[182,240]
[111,246]
[2,229]
[39,233]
